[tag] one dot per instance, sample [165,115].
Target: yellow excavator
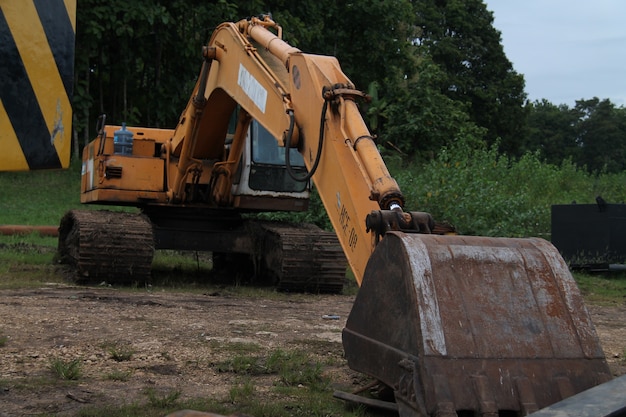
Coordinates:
[452,325]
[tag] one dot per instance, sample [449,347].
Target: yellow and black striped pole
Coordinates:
[36,78]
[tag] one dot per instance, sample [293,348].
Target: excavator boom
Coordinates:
[303,100]
[339,151]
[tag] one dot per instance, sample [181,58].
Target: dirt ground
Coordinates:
[176,339]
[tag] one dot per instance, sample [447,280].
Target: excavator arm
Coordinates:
[306,102]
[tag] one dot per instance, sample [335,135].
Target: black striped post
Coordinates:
[36,76]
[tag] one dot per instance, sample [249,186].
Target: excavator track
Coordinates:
[113,247]
[118,248]
[302,258]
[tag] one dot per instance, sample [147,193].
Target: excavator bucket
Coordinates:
[469,326]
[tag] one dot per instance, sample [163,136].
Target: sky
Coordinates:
[567,50]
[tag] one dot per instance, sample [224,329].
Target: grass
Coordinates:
[117,375]
[27,261]
[66,369]
[35,198]
[296,369]
[602,288]
[298,387]
[120,352]
[23,194]
[243,399]
[36,383]
[162,400]
[242,390]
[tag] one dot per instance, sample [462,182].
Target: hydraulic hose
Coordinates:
[318,156]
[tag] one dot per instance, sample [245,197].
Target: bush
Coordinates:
[483,192]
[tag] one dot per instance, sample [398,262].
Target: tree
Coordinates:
[370,39]
[601,134]
[592,134]
[552,131]
[138,61]
[460,37]
[421,120]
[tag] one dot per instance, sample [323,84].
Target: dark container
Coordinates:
[590,236]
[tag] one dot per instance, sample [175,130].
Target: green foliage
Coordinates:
[422,119]
[138,61]
[436,70]
[41,198]
[460,38]
[483,192]
[241,391]
[600,130]
[601,289]
[55,191]
[551,130]
[26,261]
[591,134]
[369,38]
[243,365]
[316,214]
[162,400]
[176,269]
[295,368]
[117,375]
[66,369]
[32,248]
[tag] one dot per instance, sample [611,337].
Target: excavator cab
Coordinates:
[263,175]
[265,151]
[269,164]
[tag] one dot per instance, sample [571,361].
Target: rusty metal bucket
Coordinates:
[459,325]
